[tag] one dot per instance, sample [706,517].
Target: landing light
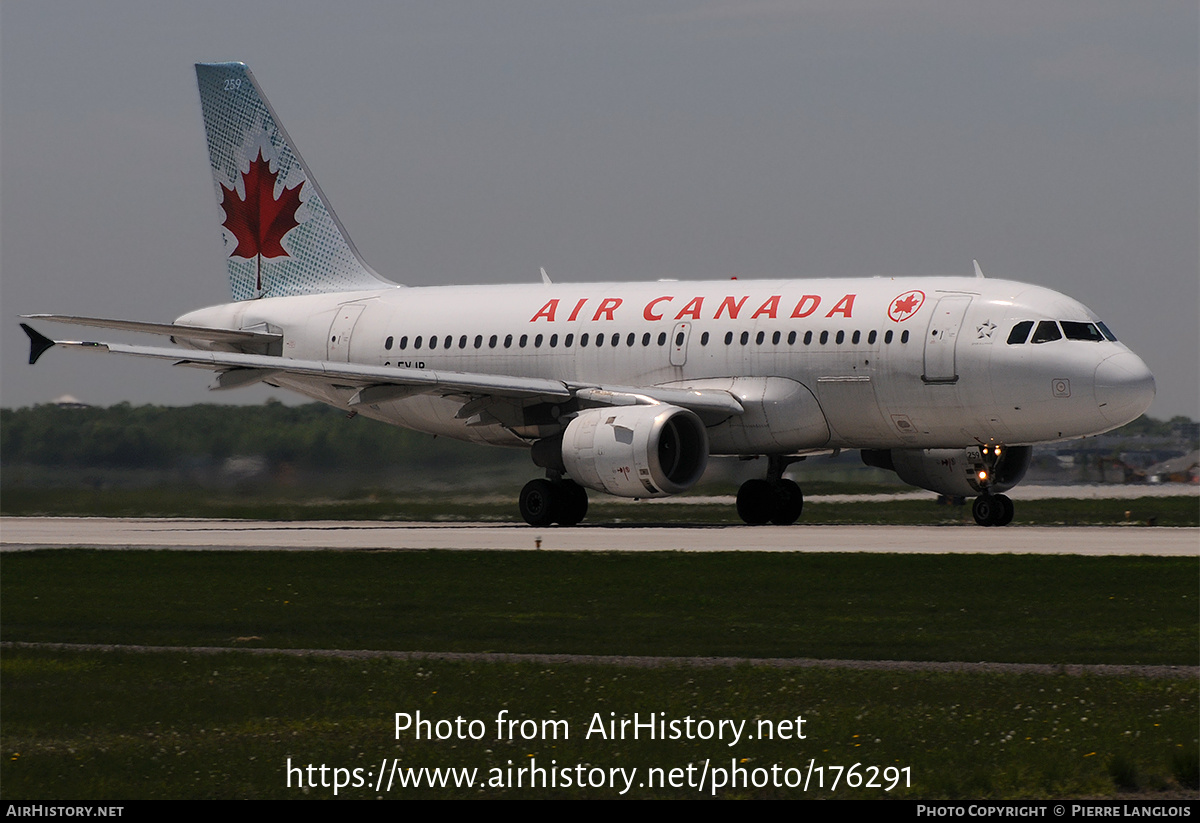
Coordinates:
[982,475]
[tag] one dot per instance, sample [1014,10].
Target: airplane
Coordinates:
[629,388]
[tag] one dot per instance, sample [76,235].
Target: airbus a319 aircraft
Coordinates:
[629,388]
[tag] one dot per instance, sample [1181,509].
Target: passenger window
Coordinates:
[704,339]
[841,335]
[1020,332]
[646,339]
[462,342]
[1073,330]
[599,340]
[824,337]
[791,338]
[760,337]
[553,341]
[616,339]
[887,337]
[492,342]
[479,341]
[404,342]
[417,342]
[537,341]
[679,339]
[387,344]
[568,340]
[857,336]
[745,337]
[662,338]
[1046,331]
[583,339]
[508,341]
[871,338]
[728,338]
[446,343]
[808,338]
[631,339]
[904,336]
[432,341]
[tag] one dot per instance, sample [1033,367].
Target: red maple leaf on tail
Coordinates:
[260,221]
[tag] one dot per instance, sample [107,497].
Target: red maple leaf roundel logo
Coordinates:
[906,305]
[260,221]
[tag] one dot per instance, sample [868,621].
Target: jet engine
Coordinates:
[958,472]
[631,451]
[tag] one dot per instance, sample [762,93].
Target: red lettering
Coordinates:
[769,308]
[646,311]
[843,307]
[607,306]
[547,311]
[733,308]
[692,309]
[812,302]
[575,311]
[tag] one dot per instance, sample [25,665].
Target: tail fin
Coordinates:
[281,236]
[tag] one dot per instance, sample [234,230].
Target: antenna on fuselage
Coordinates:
[978,271]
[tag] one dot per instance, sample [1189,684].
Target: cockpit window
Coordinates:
[1020,332]
[1081,331]
[1046,331]
[1105,331]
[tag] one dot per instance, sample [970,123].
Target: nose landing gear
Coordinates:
[991,509]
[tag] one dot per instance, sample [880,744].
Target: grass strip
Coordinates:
[999,608]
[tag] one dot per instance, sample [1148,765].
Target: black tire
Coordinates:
[1007,510]
[539,502]
[789,503]
[987,510]
[574,503]
[755,502]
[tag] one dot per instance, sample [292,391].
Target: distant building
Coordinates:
[1184,469]
[70,402]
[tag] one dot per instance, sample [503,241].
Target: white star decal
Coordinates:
[985,329]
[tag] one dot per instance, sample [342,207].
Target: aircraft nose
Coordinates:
[1124,387]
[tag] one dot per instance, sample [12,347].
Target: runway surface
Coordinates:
[26,533]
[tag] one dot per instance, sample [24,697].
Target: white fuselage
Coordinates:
[819,364]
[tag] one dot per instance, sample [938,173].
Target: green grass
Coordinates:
[1002,608]
[387,505]
[95,726]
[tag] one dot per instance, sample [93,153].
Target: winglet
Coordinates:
[978,270]
[546,278]
[38,343]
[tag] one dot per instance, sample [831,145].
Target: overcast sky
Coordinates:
[1057,142]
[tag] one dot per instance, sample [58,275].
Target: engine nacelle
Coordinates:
[955,471]
[635,451]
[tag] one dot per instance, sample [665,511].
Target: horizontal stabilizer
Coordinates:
[171,329]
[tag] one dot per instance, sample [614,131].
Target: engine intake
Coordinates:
[633,451]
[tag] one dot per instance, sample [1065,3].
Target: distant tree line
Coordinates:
[309,437]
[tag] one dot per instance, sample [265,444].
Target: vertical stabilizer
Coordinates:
[281,236]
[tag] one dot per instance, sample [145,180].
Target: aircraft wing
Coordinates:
[174,330]
[380,383]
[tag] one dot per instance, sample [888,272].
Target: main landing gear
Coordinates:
[993,510]
[553,501]
[773,500]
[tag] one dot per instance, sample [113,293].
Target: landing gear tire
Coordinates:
[789,502]
[538,502]
[754,502]
[544,502]
[574,503]
[993,510]
[765,501]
